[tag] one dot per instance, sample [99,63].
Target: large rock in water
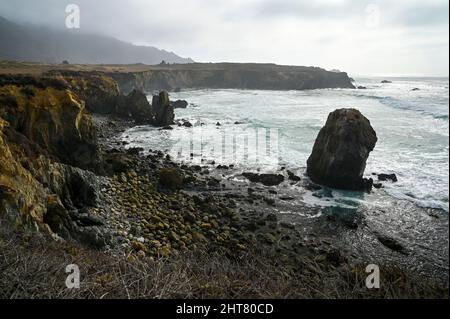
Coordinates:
[164,113]
[341,150]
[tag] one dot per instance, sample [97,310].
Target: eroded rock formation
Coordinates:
[341,150]
[163,109]
[49,155]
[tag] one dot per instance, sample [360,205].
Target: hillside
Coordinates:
[34,44]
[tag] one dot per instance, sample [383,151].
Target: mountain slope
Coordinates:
[36,44]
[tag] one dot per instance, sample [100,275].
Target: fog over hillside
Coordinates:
[42,44]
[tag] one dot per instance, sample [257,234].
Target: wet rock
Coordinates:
[361,87]
[180,104]
[391,243]
[163,110]
[312,187]
[166,128]
[340,152]
[387,177]
[187,124]
[346,217]
[170,178]
[135,150]
[293,177]
[415,89]
[386,81]
[265,179]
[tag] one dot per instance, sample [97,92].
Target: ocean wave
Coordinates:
[406,105]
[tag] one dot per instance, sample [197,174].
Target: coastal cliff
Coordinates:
[230,76]
[45,133]
[68,185]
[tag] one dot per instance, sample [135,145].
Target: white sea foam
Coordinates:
[412,128]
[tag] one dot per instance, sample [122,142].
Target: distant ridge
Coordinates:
[38,44]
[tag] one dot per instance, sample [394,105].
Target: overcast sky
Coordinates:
[385,37]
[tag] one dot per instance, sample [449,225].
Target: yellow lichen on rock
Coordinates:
[18,189]
[41,129]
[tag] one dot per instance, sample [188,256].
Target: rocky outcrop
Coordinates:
[50,121]
[340,152]
[387,177]
[230,76]
[180,104]
[265,179]
[102,96]
[163,109]
[46,141]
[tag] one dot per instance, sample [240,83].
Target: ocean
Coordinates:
[409,115]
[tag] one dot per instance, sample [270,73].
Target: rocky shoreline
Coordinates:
[68,176]
[199,211]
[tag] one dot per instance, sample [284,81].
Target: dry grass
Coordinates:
[35,268]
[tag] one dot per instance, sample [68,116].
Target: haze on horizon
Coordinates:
[403,37]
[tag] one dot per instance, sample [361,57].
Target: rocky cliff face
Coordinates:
[49,150]
[231,76]
[44,134]
[103,96]
[49,121]
[341,150]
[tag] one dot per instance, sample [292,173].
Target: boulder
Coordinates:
[187,124]
[293,177]
[163,110]
[387,177]
[386,81]
[340,152]
[170,178]
[180,104]
[391,243]
[265,179]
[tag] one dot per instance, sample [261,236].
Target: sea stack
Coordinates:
[340,152]
[163,109]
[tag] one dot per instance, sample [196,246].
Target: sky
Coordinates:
[384,37]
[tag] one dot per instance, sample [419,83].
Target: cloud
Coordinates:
[411,36]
